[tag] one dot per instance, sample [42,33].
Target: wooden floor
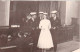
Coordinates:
[62,47]
[66,47]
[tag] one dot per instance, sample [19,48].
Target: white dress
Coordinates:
[45,38]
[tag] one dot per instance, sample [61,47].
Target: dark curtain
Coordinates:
[20,9]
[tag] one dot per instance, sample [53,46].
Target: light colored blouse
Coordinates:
[45,24]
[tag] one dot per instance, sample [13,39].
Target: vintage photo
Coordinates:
[39,26]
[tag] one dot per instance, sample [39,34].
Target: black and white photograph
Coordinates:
[39,26]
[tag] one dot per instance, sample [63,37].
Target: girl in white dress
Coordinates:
[45,38]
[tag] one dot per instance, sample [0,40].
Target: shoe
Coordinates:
[54,51]
[51,48]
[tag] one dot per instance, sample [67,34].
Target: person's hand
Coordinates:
[37,27]
[25,35]
[54,28]
[30,43]
[33,28]
[19,35]
[26,20]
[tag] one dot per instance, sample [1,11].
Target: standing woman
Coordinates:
[45,39]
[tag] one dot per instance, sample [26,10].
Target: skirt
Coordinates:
[45,39]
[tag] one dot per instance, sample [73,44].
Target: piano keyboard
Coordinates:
[7,47]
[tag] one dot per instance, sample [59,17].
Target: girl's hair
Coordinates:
[46,17]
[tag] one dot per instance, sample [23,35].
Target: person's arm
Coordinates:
[49,25]
[40,25]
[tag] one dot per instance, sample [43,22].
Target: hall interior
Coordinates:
[13,12]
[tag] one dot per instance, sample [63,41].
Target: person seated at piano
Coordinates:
[3,39]
[23,42]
